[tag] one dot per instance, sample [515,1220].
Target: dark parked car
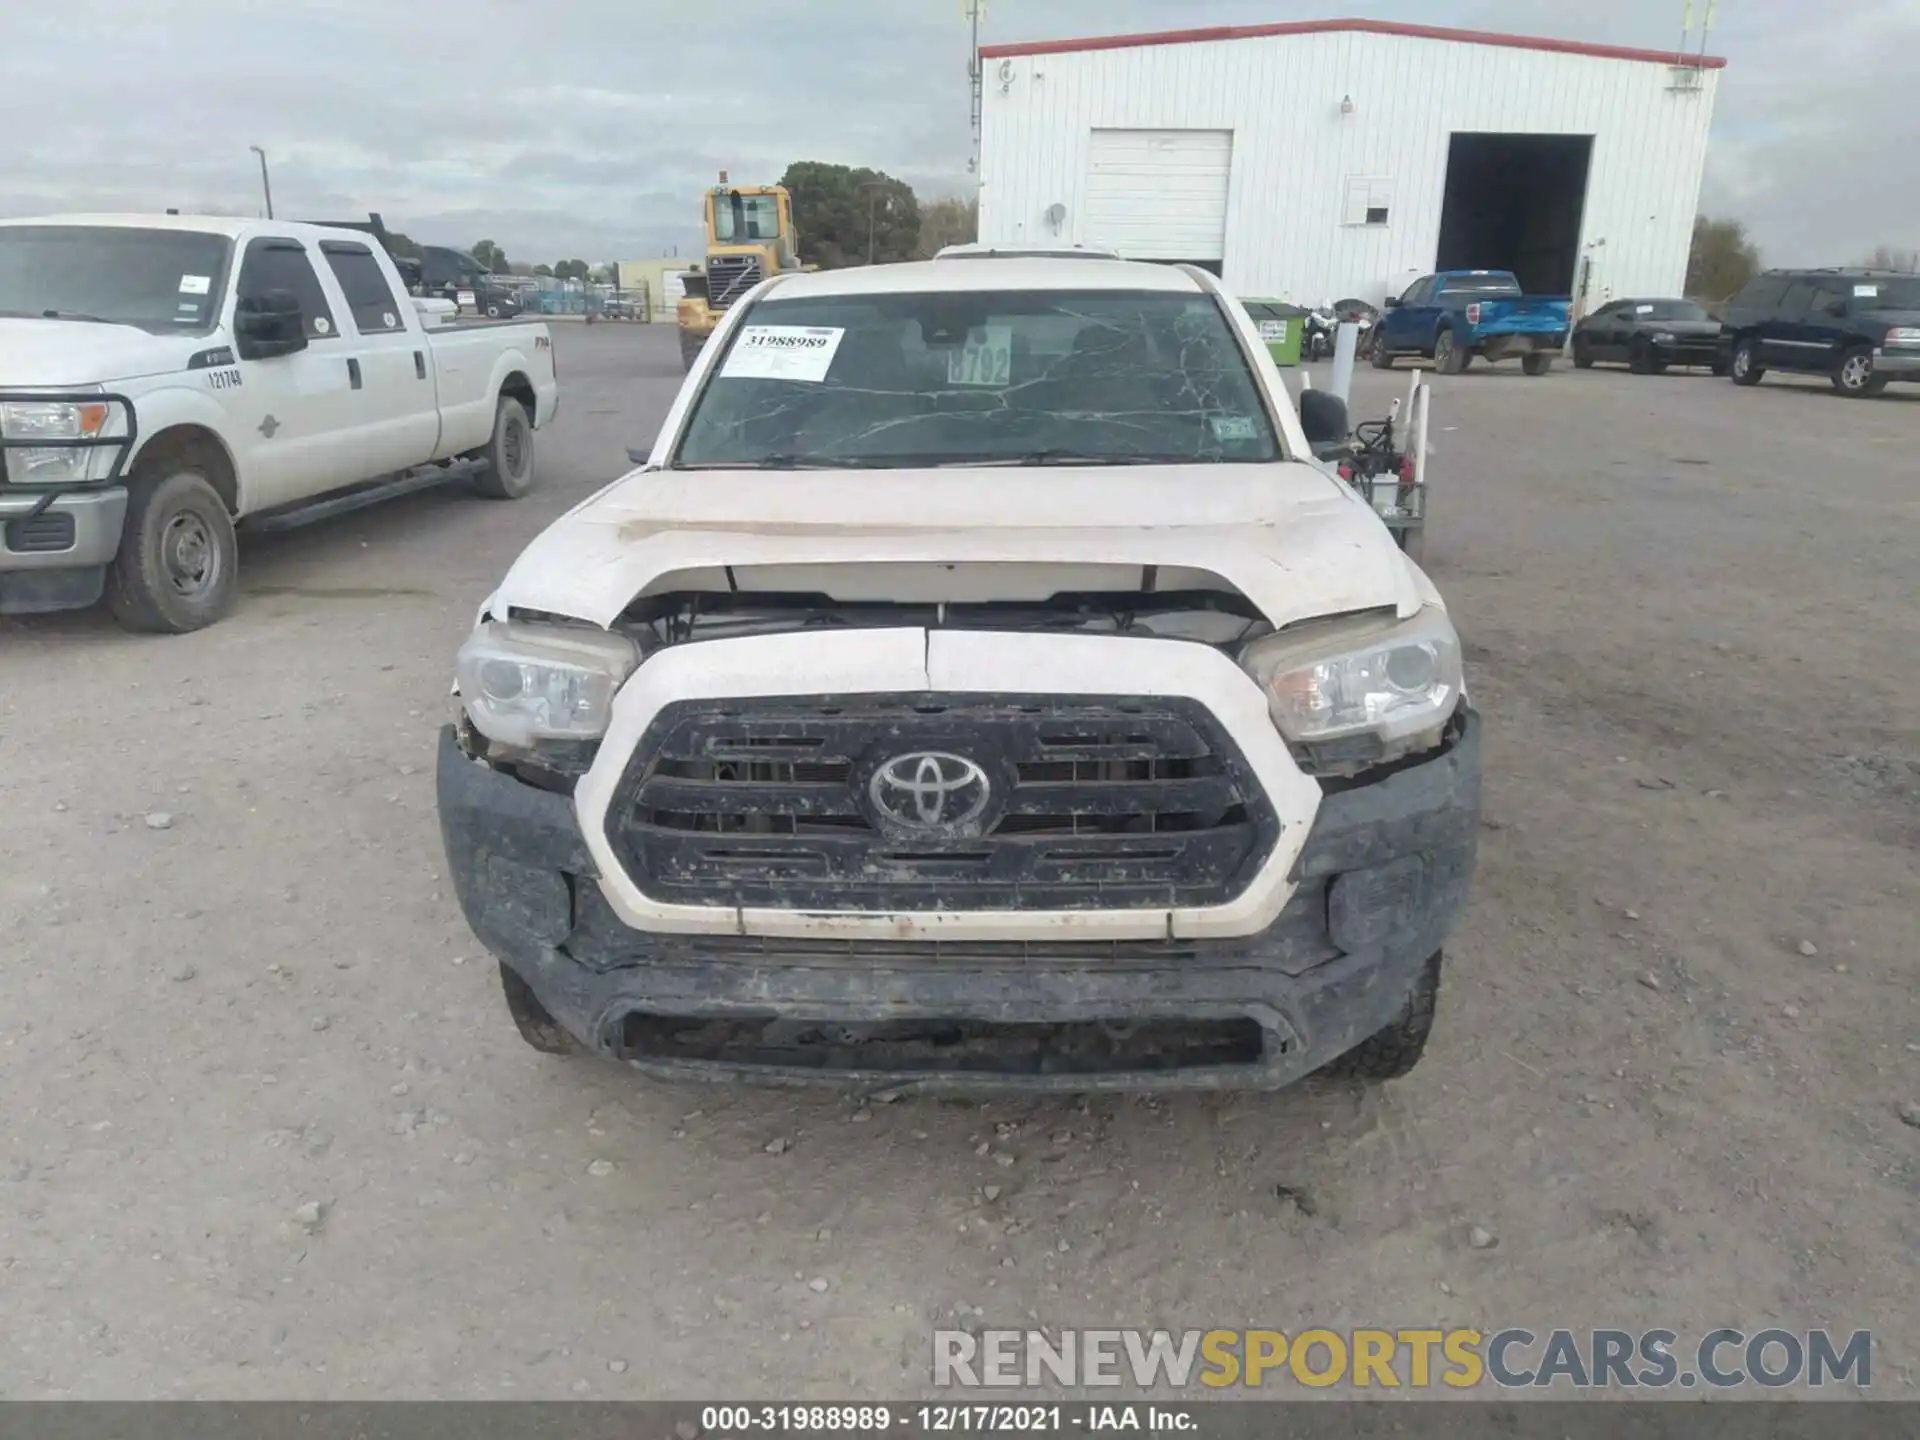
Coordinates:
[1649,335]
[1861,328]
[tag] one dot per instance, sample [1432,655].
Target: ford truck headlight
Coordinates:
[24,421]
[1397,681]
[522,683]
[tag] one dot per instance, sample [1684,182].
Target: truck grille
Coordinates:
[731,276]
[1110,803]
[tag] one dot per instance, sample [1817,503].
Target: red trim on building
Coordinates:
[1370,27]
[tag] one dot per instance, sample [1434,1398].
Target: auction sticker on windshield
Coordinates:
[986,358]
[783,352]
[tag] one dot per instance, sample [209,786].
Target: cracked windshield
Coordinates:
[1014,377]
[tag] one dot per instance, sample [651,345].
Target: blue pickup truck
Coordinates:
[1458,314]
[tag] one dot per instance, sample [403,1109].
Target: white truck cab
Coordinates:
[163,377]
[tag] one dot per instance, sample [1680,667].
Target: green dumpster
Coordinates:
[1282,328]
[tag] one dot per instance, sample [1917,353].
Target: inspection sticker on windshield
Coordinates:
[1865,292]
[1232,427]
[1643,309]
[195,284]
[986,359]
[783,352]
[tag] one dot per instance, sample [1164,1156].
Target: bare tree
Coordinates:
[1888,257]
[953,221]
[1722,261]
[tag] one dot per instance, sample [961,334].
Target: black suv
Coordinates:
[1859,327]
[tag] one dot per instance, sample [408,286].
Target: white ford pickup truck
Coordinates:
[164,377]
[981,684]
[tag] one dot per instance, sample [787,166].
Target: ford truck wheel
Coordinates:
[1746,368]
[506,466]
[1394,1049]
[1379,354]
[178,557]
[1449,357]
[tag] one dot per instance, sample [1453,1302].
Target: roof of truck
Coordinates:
[1046,272]
[227,225]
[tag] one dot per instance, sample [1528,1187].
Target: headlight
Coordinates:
[1397,681]
[523,683]
[30,420]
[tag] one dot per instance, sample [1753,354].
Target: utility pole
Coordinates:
[975,8]
[873,189]
[265,184]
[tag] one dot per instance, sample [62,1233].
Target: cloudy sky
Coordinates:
[587,127]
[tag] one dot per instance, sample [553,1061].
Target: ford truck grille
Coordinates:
[731,276]
[1109,803]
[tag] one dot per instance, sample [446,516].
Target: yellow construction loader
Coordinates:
[749,237]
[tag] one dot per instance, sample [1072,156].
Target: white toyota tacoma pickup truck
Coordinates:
[163,377]
[979,685]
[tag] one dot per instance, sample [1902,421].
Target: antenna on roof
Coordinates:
[1686,32]
[1705,26]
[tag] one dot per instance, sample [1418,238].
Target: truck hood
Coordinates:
[1289,537]
[54,354]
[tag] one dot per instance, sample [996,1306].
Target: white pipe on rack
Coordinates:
[1346,343]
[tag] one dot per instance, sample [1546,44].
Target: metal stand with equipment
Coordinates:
[1385,460]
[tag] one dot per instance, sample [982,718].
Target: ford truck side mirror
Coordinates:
[1324,418]
[268,325]
[1392,302]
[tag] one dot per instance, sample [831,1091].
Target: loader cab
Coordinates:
[749,237]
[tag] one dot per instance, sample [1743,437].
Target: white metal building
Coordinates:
[1323,159]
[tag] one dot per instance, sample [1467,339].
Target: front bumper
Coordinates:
[1689,352]
[53,553]
[1381,880]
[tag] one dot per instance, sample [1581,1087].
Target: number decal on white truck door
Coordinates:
[224,379]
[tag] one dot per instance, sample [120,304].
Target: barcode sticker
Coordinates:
[783,352]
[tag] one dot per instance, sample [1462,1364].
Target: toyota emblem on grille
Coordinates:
[930,791]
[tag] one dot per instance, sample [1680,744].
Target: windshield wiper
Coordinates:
[1075,457]
[786,460]
[59,315]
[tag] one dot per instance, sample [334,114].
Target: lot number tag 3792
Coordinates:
[986,359]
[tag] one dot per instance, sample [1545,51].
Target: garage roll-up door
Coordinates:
[1159,194]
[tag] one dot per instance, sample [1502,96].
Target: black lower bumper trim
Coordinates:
[1382,878]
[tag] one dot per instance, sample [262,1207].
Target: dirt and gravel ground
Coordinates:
[1678,1026]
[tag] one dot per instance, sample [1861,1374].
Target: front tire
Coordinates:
[178,558]
[506,466]
[1379,355]
[1854,377]
[1394,1049]
[1582,355]
[1745,368]
[1449,357]
[533,1020]
[1645,361]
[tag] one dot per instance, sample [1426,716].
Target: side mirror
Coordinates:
[1392,302]
[268,325]
[1323,416]
[638,456]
